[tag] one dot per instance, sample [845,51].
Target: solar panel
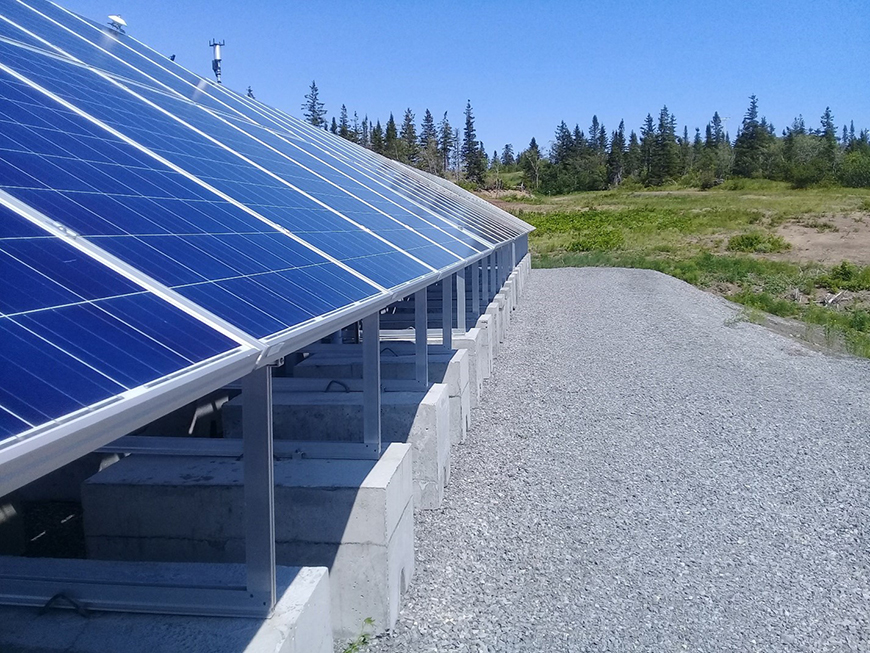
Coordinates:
[162,71]
[75,333]
[161,235]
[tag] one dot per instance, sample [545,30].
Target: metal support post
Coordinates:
[259,477]
[447,312]
[493,282]
[484,277]
[475,290]
[421,335]
[372,381]
[460,301]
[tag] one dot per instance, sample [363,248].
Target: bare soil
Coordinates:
[827,239]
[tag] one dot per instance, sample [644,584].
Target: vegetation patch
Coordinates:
[759,242]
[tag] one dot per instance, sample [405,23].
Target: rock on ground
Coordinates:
[648,473]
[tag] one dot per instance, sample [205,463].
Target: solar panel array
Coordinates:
[153,222]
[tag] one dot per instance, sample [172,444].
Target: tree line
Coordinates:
[438,148]
[598,159]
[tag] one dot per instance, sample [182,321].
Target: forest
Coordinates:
[597,159]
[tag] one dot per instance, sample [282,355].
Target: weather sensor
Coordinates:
[216,60]
[117,23]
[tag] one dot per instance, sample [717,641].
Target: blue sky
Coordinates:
[526,65]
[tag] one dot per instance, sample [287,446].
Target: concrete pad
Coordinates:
[299,624]
[353,516]
[470,341]
[450,368]
[421,419]
[485,353]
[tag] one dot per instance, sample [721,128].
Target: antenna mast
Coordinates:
[216,61]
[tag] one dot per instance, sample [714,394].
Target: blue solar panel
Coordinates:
[75,333]
[161,222]
[377,259]
[477,219]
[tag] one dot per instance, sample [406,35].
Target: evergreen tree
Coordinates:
[616,158]
[665,155]
[507,155]
[531,163]
[378,138]
[355,130]
[828,132]
[750,142]
[366,140]
[343,124]
[601,142]
[697,148]
[579,148]
[471,155]
[685,152]
[391,139]
[313,109]
[718,132]
[445,141]
[647,143]
[334,126]
[408,136]
[563,145]
[427,130]
[634,157]
[594,128]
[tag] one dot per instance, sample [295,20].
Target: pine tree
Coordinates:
[531,162]
[471,155]
[343,124]
[427,130]
[697,148]
[445,141]
[647,141]
[634,157]
[616,158]
[366,140]
[665,155]
[313,109]
[601,141]
[334,126]
[408,136]
[563,145]
[507,155]
[355,131]
[391,139]
[828,132]
[378,138]
[751,139]
[594,128]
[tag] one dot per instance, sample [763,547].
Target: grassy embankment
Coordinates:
[759,243]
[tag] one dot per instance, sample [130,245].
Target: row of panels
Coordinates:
[152,222]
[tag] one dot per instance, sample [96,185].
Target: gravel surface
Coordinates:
[645,474]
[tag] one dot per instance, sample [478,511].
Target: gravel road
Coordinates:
[645,474]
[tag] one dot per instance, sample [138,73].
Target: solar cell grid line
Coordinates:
[367,161]
[434,199]
[99,61]
[76,333]
[62,12]
[224,283]
[63,32]
[162,65]
[205,157]
[358,248]
[442,242]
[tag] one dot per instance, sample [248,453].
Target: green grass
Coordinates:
[722,239]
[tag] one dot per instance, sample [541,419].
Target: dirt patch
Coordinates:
[827,239]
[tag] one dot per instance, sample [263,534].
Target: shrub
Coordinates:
[855,170]
[757,241]
[602,240]
[846,276]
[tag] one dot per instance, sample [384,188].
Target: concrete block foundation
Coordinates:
[353,516]
[299,624]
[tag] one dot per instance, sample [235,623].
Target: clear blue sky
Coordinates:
[526,64]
